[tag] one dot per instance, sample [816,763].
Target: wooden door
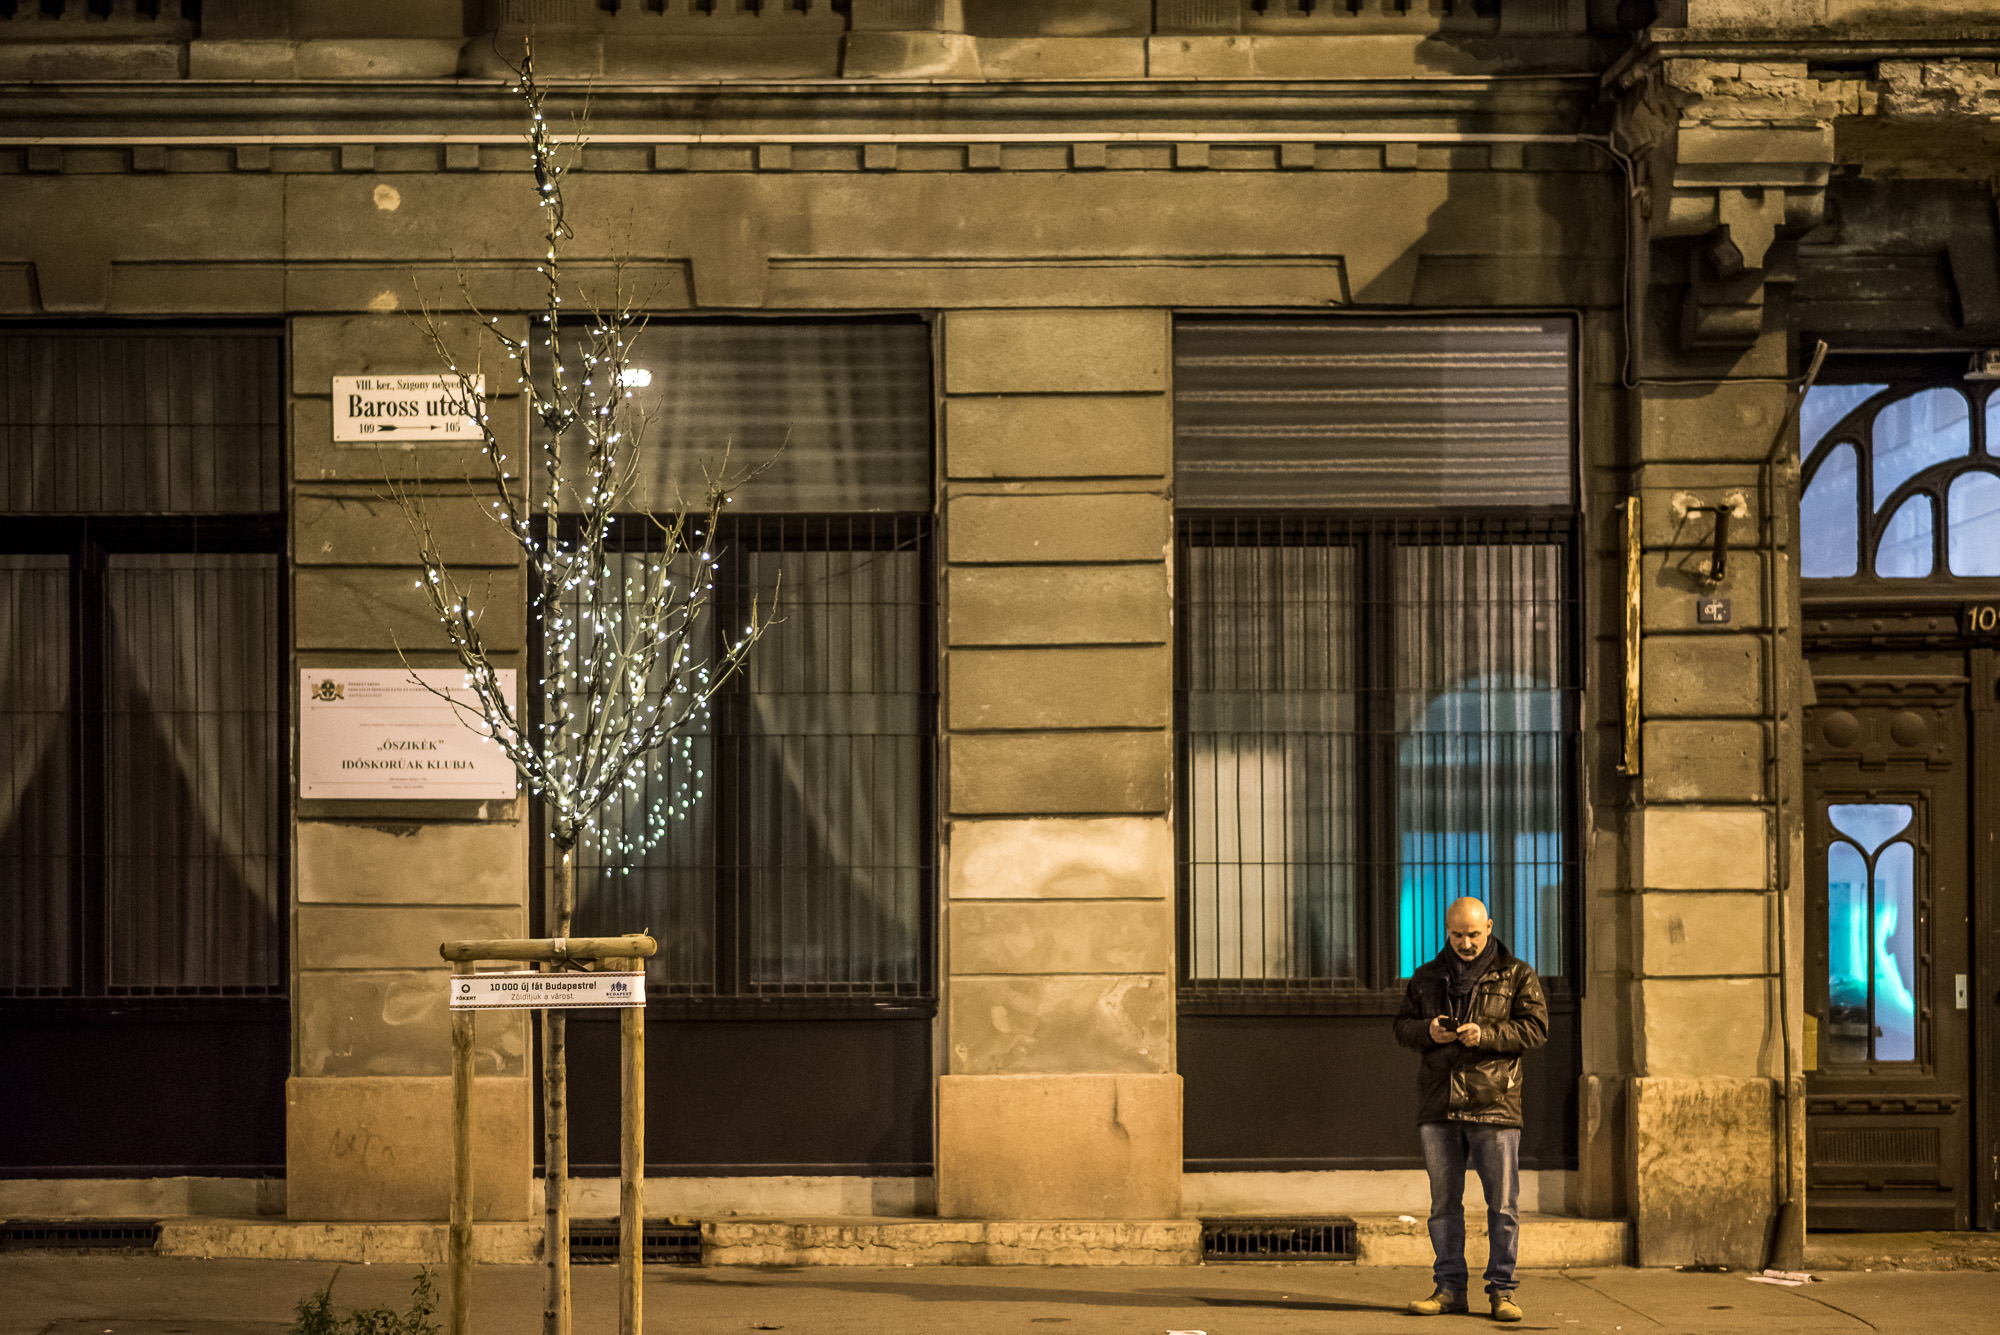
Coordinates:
[1888,948]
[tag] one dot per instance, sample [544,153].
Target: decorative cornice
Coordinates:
[1734,157]
[97,155]
[1836,50]
[1535,104]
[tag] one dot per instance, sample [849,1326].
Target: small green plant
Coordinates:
[316,1316]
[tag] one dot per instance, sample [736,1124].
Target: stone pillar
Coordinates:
[380,884]
[1703,1110]
[1058,1097]
[1598,1189]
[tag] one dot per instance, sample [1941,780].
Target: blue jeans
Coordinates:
[1493,1152]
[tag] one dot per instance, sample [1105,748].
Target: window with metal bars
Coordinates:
[141,616]
[802,866]
[1375,717]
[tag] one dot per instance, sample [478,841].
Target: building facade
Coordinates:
[1236,475]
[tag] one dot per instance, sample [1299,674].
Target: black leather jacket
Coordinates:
[1482,1084]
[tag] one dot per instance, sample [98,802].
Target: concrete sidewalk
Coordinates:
[53,1294]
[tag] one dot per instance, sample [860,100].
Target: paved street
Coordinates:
[142,1295]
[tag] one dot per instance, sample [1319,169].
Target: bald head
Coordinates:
[1467,927]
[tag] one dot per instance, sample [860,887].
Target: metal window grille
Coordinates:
[803,867]
[1375,717]
[141,781]
[192,807]
[141,794]
[37,766]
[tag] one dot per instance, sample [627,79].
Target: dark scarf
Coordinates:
[1462,975]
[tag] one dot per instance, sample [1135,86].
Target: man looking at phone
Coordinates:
[1472,1012]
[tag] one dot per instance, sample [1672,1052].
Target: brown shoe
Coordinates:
[1505,1308]
[1439,1303]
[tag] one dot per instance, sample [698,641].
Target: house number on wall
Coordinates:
[1982,618]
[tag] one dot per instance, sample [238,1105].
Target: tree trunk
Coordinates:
[555,1114]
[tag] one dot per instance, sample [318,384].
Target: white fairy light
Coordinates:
[627,678]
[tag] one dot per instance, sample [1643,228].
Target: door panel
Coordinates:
[1278,1093]
[1888,1107]
[160,1089]
[733,1098]
[1983,987]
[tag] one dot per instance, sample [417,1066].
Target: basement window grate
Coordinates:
[595,1242]
[23,1235]
[1326,1238]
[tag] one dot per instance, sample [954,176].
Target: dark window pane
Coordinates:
[796,811]
[1911,434]
[1481,767]
[141,423]
[1908,546]
[1848,1025]
[1269,753]
[1895,961]
[1824,409]
[827,772]
[193,791]
[647,862]
[1871,923]
[1972,524]
[1871,824]
[36,862]
[826,417]
[1376,718]
[1829,521]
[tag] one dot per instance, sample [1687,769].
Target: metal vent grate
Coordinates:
[21,1235]
[1897,1147]
[595,1242]
[1326,1238]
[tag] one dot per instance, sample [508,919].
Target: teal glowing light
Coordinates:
[1437,868]
[1871,915]
[1480,815]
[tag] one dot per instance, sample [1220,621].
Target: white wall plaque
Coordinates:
[379,734]
[397,409]
[531,989]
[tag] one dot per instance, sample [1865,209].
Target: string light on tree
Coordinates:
[631,653]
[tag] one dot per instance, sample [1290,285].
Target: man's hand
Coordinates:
[1440,1033]
[1468,1034]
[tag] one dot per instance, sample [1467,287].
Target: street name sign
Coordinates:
[404,409]
[531,989]
[381,734]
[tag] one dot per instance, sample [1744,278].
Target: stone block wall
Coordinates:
[1706,1034]
[380,885]
[1058,1097]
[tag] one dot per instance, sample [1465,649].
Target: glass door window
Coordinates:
[1871,889]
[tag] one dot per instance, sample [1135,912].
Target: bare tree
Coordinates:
[630,658]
